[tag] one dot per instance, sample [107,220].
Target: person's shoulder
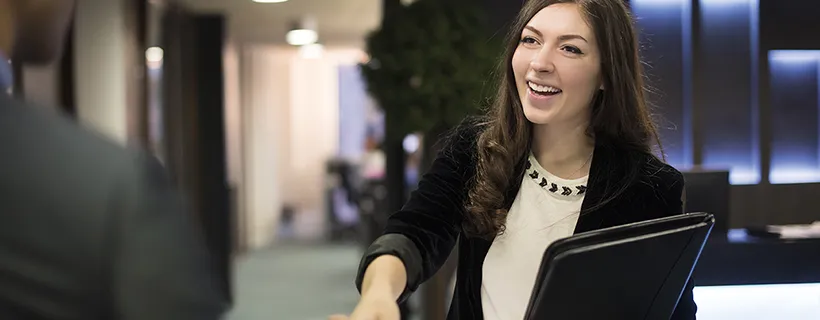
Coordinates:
[68,149]
[463,138]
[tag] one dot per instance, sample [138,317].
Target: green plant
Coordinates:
[430,64]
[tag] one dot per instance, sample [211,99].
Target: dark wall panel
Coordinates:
[66,78]
[789,25]
[734,108]
[193,115]
[210,121]
[664,31]
[725,78]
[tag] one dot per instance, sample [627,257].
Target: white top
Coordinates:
[546,209]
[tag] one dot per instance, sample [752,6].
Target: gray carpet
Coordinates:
[296,282]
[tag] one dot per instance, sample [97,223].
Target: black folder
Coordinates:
[634,271]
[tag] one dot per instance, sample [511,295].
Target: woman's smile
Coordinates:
[540,95]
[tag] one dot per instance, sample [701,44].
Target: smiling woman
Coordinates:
[566,147]
[555,61]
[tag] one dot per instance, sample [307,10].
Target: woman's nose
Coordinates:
[542,61]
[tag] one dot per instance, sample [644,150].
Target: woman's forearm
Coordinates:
[386,276]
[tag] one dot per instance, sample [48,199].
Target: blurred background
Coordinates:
[295,128]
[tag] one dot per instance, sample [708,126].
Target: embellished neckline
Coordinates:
[565,188]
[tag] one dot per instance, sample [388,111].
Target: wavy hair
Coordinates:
[620,115]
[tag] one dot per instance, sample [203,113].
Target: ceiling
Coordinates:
[340,22]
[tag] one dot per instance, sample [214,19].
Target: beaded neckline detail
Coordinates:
[552,184]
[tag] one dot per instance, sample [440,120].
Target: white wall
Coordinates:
[233,138]
[233,114]
[100,63]
[314,127]
[264,100]
[290,113]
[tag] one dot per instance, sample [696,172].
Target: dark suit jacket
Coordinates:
[89,230]
[425,231]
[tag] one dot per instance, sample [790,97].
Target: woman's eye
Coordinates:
[528,40]
[572,50]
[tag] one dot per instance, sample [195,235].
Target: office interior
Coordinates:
[259,111]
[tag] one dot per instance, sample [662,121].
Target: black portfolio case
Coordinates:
[635,271]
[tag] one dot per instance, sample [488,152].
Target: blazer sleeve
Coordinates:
[423,233]
[161,267]
[674,197]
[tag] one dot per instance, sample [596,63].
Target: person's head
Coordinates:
[567,63]
[36,28]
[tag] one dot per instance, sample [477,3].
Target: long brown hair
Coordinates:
[620,115]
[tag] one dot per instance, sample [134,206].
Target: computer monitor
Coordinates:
[708,191]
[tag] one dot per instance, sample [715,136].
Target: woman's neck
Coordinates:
[565,151]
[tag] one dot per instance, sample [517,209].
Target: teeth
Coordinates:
[543,89]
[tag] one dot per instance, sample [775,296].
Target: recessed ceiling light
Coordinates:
[154,54]
[303,32]
[301,37]
[269,1]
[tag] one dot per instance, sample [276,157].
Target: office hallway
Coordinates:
[295,282]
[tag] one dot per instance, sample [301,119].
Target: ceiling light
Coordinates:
[154,54]
[301,37]
[269,1]
[153,57]
[302,32]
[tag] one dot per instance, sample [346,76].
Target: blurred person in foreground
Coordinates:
[88,229]
[568,147]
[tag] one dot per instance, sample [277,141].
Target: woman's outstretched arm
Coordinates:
[422,234]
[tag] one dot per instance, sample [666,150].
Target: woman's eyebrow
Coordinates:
[561,38]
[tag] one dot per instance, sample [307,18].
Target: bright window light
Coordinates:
[794,158]
[794,56]
[726,2]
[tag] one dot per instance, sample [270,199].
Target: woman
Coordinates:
[566,148]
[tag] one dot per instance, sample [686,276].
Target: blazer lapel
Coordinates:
[606,170]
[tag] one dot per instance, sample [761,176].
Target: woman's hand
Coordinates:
[383,283]
[377,307]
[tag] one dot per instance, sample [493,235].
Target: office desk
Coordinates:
[734,259]
[739,277]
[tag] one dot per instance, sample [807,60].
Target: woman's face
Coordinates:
[557,67]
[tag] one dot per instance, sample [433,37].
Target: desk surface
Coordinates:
[759,302]
[740,261]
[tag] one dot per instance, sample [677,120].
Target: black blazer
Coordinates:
[423,233]
[89,230]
